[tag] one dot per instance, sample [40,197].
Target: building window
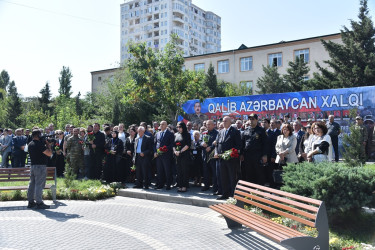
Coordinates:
[99,78]
[223,67]
[303,54]
[199,67]
[306,78]
[246,63]
[275,60]
[246,87]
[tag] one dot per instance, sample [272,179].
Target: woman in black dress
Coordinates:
[129,152]
[182,153]
[114,150]
[60,159]
[197,166]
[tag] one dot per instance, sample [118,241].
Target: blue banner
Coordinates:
[315,105]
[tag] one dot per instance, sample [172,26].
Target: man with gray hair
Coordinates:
[143,150]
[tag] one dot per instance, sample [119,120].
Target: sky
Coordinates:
[39,37]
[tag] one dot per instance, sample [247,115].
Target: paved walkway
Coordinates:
[121,223]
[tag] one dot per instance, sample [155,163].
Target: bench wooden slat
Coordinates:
[283,193]
[264,221]
[279,205]
[47,186]
[278,198]
[273,210]
[274,231]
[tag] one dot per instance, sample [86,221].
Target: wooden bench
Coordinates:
[22,175]
[304,210]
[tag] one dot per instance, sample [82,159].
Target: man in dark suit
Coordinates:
[142,158]
[228,138]
[272,134]
[164,159]
[298,133]
[19,155]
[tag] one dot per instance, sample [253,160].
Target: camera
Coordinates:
[48,138]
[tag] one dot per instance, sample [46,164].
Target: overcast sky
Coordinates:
[39,37]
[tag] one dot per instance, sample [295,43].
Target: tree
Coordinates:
[295,73]
[352,63]
[78,104]
[215,89]
[65,82]
[14,105]
[45,98]
[4,79]
[158,81]
[271,82]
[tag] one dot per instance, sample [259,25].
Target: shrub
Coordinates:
[343,189]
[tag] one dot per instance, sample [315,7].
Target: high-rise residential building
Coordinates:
[153,21]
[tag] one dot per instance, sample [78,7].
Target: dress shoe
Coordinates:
[168,188]
[222,197]
[205,188]
[217,193]
[42,206]
[31,204]
[136,186]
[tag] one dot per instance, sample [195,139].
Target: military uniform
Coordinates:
[363,139]
[254,147]
[75,154]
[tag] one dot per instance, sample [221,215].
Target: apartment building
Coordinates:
[243,66]
[153,21]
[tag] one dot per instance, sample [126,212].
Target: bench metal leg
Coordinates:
[53,191]
[232,224]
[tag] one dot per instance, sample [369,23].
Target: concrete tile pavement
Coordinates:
[121,223]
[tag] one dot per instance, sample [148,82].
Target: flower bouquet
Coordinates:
[90,137]
[162,150]
[206,138]
[57,148]
[178,146]
[230,154]
[133,168]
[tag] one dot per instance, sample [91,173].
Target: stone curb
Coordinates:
[161,196]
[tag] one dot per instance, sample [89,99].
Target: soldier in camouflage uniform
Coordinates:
[75,153]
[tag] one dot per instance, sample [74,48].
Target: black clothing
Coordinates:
[255,145]
[36,149]
[183,160]
[96,155]
[226,140]
[197,166]
[323,147]
[114,168]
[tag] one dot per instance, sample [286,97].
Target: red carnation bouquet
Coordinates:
[162,150]
[230,154]
[57,146]
[178,146]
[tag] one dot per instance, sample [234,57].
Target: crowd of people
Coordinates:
[214,155]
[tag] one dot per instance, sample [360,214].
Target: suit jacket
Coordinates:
[6,140]
[167,140]
[299,136]
[272,139]
[146,147]
[231,140]
[18,142]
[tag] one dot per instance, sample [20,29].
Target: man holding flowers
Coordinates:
[228,138]
[163,152]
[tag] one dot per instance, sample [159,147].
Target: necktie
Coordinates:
[162,135]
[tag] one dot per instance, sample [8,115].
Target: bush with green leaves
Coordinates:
[342,188]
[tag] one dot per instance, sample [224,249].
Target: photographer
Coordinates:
[39,152]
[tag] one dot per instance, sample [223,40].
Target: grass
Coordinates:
[78,190]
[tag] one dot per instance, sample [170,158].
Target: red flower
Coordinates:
[57,144]
[178,144]
[90,133]
[164,149]
[106,151]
